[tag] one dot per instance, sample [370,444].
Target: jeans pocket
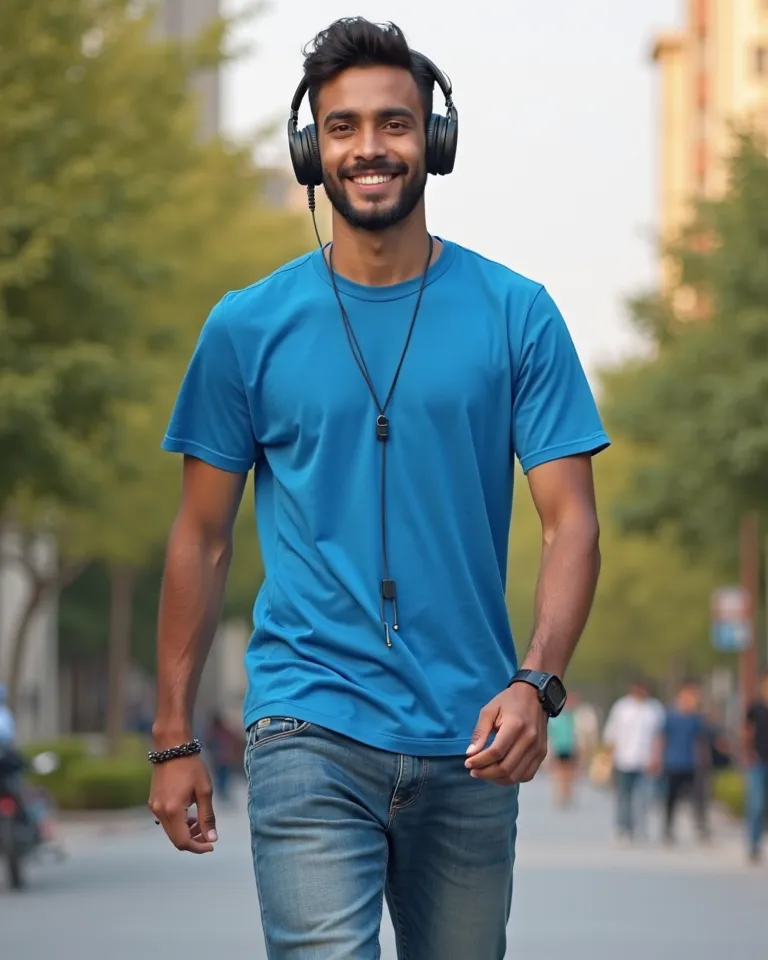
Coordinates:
[267,729]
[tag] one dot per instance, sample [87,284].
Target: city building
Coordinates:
[712,72]
[186,19]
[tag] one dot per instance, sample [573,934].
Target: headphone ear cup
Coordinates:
[305,156]
[442,141]
[433,153]
[312,148]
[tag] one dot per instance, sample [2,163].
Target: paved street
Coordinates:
[129,896]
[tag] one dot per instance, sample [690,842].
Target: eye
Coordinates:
[341,128]
[396,125]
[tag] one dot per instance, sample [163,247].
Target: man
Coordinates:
[379,389]
[756,750]
[681,756]
[564,750]
[634,722]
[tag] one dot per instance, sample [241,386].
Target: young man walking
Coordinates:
[379,388]
[633,725]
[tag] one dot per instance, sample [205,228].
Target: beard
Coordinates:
[375,217]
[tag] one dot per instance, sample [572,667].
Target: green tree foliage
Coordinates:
[119,231]
[96,131]
[697,405]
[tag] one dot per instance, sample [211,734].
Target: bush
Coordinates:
[88,781]
[109,783]
[729,789]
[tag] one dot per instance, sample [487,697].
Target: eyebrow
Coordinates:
[388,113]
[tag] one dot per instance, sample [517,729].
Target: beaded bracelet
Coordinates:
[172,753]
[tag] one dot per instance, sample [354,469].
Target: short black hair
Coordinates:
[356,42]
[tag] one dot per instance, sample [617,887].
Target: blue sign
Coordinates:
[731,630]
[731,637]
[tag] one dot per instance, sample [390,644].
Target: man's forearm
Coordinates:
[190,607]
[570,566]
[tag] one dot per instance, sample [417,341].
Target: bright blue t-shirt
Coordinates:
[491,371]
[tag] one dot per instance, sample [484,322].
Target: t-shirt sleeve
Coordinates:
[554,414]
[211,418]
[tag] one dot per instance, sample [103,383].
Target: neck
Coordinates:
[382,258]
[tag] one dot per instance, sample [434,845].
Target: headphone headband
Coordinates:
[442,132]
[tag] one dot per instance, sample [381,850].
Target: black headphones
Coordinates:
[442,134]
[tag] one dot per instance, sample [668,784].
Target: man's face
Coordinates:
[639,691]
[371,132]
[688,699]
[764,688]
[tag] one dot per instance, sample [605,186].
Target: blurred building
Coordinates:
[711,72]
[186,19]
[24,565]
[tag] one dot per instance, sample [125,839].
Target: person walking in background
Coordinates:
[587,722]
[7,722]
[223,746]
[634,722]
[681,749]
[563,747]
[755,735]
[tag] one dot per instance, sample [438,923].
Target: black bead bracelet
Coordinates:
[173,753]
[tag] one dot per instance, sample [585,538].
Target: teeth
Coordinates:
[379,178]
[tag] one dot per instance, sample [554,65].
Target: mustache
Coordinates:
[373,167]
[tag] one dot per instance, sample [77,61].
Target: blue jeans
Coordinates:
[633,792]
[757,799]
[336,826]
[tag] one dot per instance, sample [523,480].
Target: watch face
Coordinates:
[556,694]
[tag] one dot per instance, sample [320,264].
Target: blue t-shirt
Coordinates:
[684,735]
[491,371]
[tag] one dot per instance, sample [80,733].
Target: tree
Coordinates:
[119,230]
[96,125]
[651,612]
[696,406]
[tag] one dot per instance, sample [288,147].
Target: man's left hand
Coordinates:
[520,743]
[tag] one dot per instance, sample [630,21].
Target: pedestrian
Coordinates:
[633,724]
[7,721]
[564,751]
[684,745]
[221,744]
[379,388]
[755,736]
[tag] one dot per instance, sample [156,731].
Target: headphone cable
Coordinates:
[388,591]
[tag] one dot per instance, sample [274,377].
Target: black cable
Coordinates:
[388,587]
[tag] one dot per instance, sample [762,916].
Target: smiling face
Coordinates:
[371,131]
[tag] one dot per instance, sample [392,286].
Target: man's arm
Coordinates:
[564,495]
[563,492]
[196,567]
[197,562]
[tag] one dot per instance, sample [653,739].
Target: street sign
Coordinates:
[731,626]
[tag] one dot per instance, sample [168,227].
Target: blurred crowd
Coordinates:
[657,757]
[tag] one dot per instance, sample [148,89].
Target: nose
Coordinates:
[369,143]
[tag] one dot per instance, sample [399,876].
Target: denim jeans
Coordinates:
[633,795]
[336,826]
[757,800]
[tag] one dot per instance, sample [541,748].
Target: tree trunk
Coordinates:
[19,643]
[40,588]
[122,579]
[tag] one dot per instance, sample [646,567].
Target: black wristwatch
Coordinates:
[552,694]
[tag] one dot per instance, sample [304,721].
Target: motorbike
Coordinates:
[25,821]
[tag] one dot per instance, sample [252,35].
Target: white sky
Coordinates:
[556,172]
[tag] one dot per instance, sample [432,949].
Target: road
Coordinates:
[127,895]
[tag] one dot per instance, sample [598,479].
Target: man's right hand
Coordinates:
[177,785]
